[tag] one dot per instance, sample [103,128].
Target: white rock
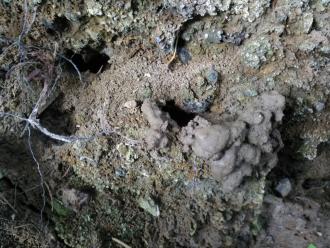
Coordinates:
[130,104]
[284,187]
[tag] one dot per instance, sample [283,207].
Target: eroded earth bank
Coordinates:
[165,123]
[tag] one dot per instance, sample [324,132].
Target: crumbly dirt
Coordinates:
[164,123]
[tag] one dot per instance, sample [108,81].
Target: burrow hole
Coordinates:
[88,59]
[57,120]
[60,24]
[180,116]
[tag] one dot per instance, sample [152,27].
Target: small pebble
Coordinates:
[319,106]
[2,73]
[307,22]
[130,104]
[284,187]
[214,36]
[120,172]
[250,93]
[195,106]
[258,117]
[212,76]
[184,55]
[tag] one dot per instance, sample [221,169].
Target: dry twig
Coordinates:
[175,50]
[121,243]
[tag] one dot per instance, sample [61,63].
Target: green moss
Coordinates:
[308,150]
[60,209]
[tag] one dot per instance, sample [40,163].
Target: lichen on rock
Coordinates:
[188,8]
[257,52]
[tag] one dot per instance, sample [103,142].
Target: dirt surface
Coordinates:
[164,123]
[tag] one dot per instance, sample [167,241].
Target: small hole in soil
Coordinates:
[307,184]
[88,190]
[60,24]
[180,116]
[314,183]
[2,73]
[57,121]
[159,8]
[88,60]
[135,5]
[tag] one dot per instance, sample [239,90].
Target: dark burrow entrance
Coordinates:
[59,25]
[180,116]
[56,120]
[294,166]
[88,59]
